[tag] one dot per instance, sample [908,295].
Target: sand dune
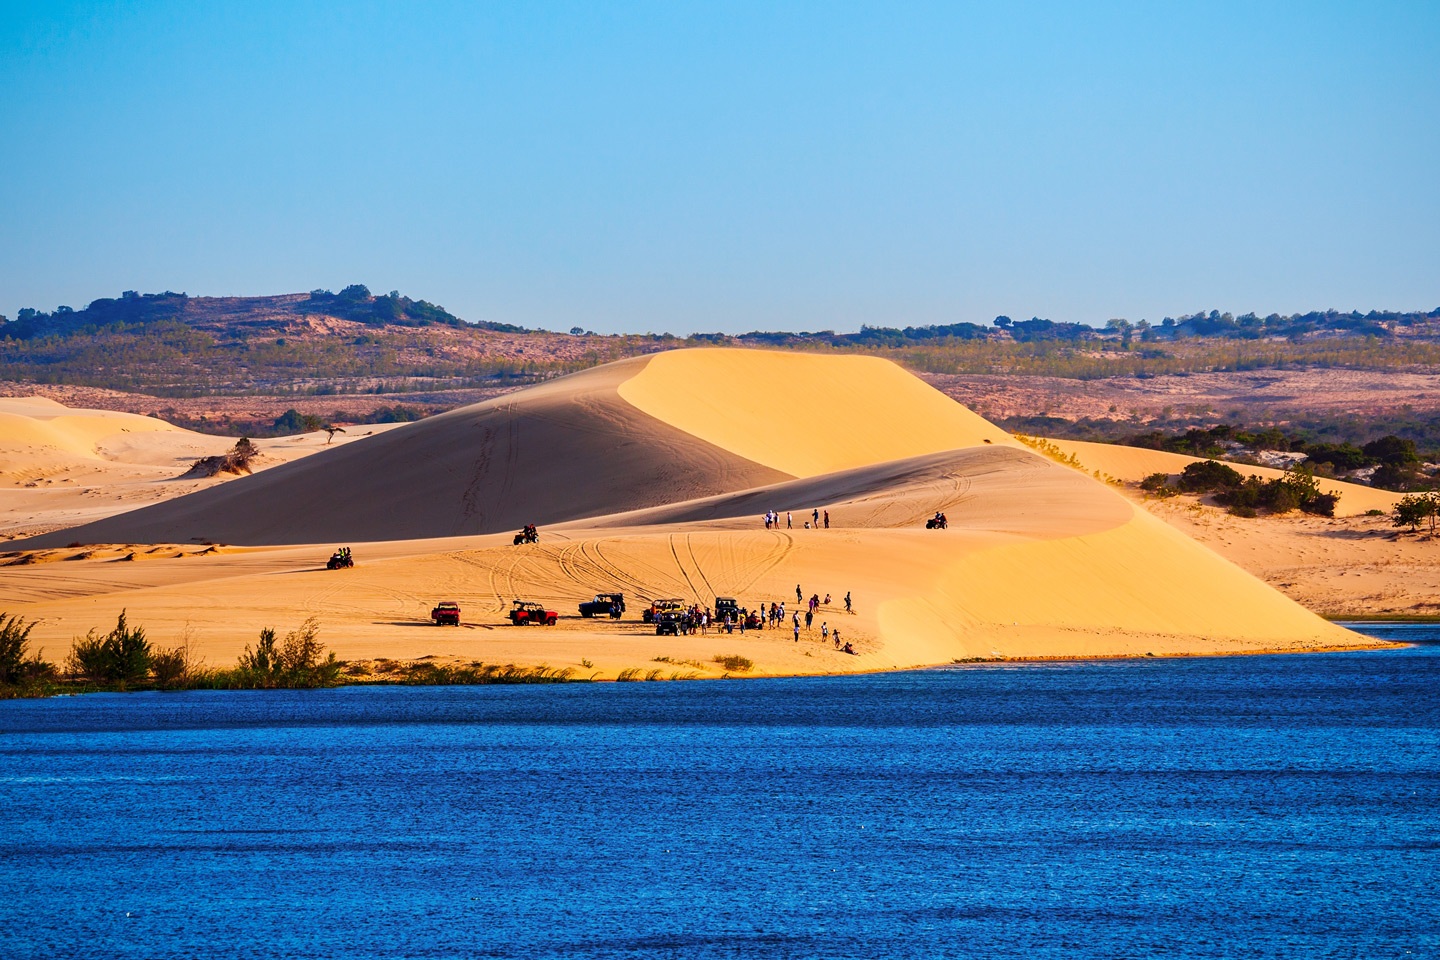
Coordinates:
[61,467]
[804,414]
[649,476]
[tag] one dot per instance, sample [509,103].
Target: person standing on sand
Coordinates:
[827,519]
[847,602]
[815,515]
[824,631]
[809,619]
[797,628]
[798,595]
[789,521]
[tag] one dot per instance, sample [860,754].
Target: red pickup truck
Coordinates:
[446,613]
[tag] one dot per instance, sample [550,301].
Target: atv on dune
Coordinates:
[340,559]
[527,535]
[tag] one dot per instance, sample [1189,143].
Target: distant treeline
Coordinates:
[133,309]
[169,344]
[1249,326]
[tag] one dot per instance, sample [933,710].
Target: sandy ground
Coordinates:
[654,472]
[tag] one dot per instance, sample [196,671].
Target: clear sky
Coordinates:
[686,167]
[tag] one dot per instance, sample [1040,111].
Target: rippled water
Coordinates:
[1249,806]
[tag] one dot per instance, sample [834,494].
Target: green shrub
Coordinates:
[1207,476]
[14,638]
[294,662]
[1417,508]
[121,656]
[734,662]
[18,668]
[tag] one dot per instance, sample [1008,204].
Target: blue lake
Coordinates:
[1227,807]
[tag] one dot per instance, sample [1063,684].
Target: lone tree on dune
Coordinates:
[332,430]
[1416,508]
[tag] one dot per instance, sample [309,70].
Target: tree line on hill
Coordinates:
[132,309]
[356,302]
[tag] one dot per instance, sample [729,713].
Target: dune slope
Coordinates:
[560,451]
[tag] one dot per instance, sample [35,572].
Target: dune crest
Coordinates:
[804,414]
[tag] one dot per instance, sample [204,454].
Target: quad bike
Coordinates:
[528,535]
[934,524]
[339,561]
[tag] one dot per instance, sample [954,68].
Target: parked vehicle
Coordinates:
[726,609]
[524,613]
[667,623]
[446,613]
[661,606]
[753,621]
[611,604]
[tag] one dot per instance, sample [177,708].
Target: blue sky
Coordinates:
[688,167]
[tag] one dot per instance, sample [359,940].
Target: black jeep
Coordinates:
[612,604]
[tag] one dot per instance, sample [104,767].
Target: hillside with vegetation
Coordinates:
[262,365]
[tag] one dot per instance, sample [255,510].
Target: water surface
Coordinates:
[1226,807]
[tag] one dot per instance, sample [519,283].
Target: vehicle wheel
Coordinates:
[550,622]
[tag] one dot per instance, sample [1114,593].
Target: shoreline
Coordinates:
[562,677]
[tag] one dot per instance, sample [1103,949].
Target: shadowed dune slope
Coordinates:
[563,450]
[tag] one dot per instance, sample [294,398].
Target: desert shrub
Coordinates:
[14,638]
[1156,482]
[1243,511]
[121,656]
[175,668]
[628,675]
[18,668]
[1207,476]
[1374,513]
[294,662]
[734,662]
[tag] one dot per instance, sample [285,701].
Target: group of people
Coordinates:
[817,518]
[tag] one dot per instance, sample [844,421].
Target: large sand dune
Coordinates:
[649,476]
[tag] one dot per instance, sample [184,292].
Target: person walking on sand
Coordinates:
[824,631]
[798,595]
[809,619]
[815,515]
[827,519]
[847,602]
[797,628]
[789,521]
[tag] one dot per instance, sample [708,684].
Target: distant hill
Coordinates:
[174,345]
[230,315]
